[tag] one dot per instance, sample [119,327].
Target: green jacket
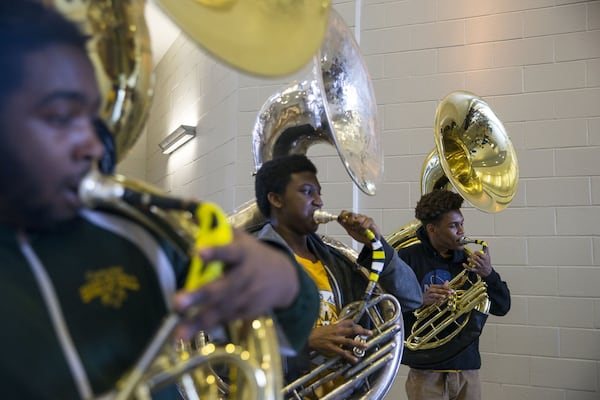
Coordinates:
[79,304]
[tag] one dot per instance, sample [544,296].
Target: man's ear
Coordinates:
[274,199]
[430,228]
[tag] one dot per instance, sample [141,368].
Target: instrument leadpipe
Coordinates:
[467,240]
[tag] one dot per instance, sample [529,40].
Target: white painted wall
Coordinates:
[537,63]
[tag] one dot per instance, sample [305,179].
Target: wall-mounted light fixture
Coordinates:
[177,138]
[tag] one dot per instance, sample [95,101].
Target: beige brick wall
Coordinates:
[537,63]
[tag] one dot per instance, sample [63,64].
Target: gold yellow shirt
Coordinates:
[328,313]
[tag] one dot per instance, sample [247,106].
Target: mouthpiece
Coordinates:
[96,187]
[323,217]
[466,240]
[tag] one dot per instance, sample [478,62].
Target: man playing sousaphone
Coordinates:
[436,260]
[288,193]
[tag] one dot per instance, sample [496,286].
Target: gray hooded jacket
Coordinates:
[349,282]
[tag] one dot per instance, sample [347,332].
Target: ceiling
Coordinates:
[162,30]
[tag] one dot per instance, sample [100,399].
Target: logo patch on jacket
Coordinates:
[109,285]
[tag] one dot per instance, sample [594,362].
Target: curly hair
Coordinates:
[432,206]
[274,176]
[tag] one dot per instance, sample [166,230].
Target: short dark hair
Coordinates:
[432,206]
[26,26]
[274,176]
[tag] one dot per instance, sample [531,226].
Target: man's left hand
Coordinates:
[357,224]
[480,263]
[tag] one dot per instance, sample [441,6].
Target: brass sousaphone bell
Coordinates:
[475,157]
[475,152]
[261,37]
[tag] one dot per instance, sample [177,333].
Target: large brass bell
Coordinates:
[261,37]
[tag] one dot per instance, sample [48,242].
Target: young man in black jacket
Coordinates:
[437,259]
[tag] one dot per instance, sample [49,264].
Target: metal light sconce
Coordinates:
[177,138]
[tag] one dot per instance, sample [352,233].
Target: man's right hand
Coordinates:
[437,293]
[338,339]
[257,279]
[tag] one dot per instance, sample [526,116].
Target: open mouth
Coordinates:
[71,192]
[72,196]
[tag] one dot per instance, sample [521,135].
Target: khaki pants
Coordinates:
[437,385]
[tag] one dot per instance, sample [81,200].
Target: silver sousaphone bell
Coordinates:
[335,105]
